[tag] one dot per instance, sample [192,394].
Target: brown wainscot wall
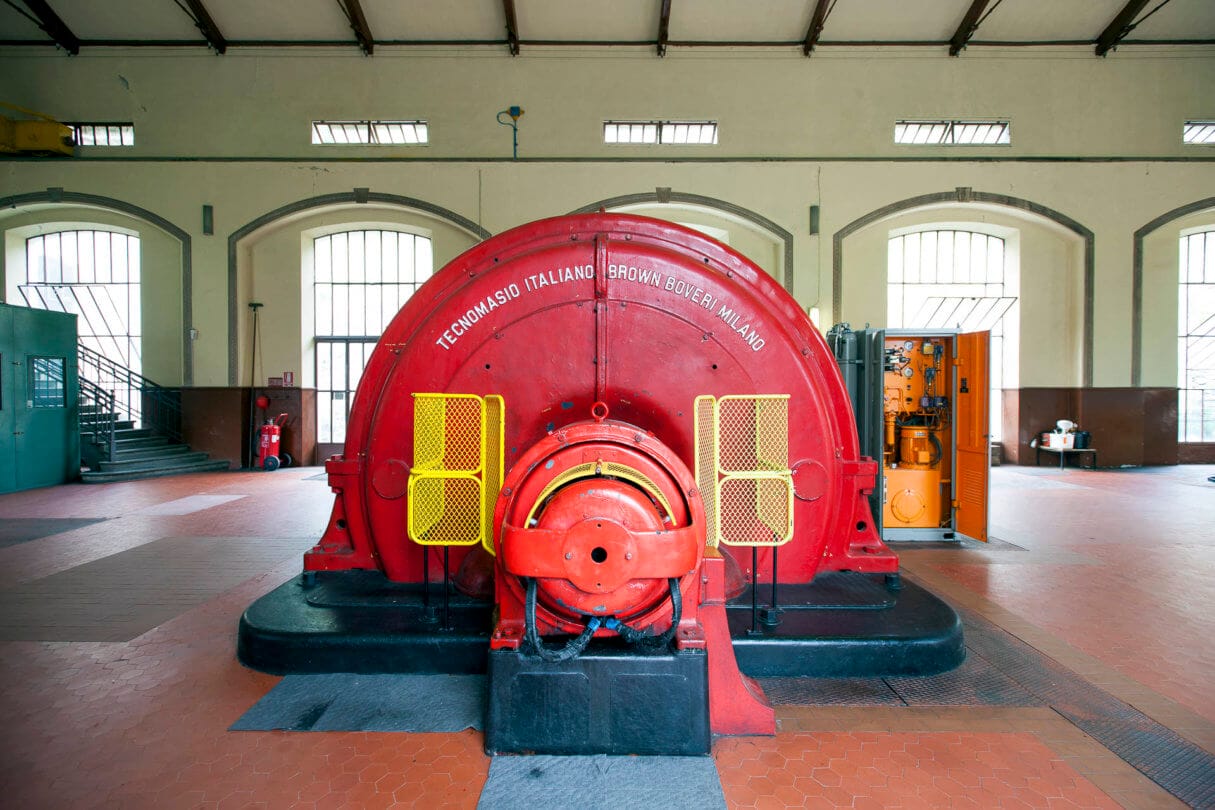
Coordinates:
[1129,426]
[216,420]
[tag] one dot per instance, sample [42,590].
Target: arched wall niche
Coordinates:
[266,263]
[1056,259]
[165,263]
[1155,268]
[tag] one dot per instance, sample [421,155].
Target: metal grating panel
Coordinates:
[445,510]
[447,503]
[706,465]
[754,498]
[493,453]
[829,692]
[975,683]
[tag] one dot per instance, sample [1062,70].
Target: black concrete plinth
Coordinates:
[605,701]
[841,625]
[846,625]
[358,621]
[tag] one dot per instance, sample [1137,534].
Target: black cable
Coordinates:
[646,642]
[572,648]
[932,437]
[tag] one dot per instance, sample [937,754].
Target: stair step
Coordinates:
[104,424]
[135,475]
[142,453]
[119,433]
[147,441]
[155,463]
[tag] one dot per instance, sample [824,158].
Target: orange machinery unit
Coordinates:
[921,400]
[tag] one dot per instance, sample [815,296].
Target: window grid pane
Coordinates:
[1198,132]
[679,133]
[953,133]
[117,134]
[362,278]
[954,280]
[93,275]
[374,133]
[1196,338]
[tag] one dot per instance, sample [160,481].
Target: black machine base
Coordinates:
[842,625]
[605,701]
[845,625]
[359,621]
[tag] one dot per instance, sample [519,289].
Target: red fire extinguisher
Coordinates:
[268,456]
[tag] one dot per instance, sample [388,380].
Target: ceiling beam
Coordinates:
[1119,27]
[967,28]
[209,29]
[664,27]
[56,28]
[512,26]
[358,23]
[821,9]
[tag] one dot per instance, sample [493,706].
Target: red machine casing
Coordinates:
[639,314]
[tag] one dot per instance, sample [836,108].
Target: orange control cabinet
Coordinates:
[922,401]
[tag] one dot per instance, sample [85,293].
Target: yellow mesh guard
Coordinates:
[592,469]
[445,510]
[706,463]
[493,450]
[750,475]
[457,471]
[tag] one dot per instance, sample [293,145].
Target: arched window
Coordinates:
[1196,338]
[95,276]
[362,278]
[963,280]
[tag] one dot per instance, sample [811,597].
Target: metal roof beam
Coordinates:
[358,23]
[512,26]
[664,27]
[209,29]
[817,20]
[55,28]
[1119,27]
[968,26]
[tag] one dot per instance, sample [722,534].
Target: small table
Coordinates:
[1064,453]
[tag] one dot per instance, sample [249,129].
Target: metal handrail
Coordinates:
[134,396]
[105,418]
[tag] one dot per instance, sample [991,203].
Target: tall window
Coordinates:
[361,279]
[1196,339]
[95,276]
[951,279]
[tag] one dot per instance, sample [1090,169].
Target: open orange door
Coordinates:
[971,391]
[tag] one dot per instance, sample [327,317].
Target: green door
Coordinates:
[41,442]
[8,374]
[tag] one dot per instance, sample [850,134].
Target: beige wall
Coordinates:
[1110,126]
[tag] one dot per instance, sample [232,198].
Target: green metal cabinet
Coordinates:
[39,419]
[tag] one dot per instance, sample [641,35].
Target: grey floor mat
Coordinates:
[601,783]
[347,702]
[21,530]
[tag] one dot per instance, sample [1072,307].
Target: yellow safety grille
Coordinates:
[457,470]
[742,459]
[491,461]
[706,463]
[447,432]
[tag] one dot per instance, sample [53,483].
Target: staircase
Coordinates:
[130,427]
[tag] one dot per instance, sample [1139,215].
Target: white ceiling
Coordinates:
[483,22]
